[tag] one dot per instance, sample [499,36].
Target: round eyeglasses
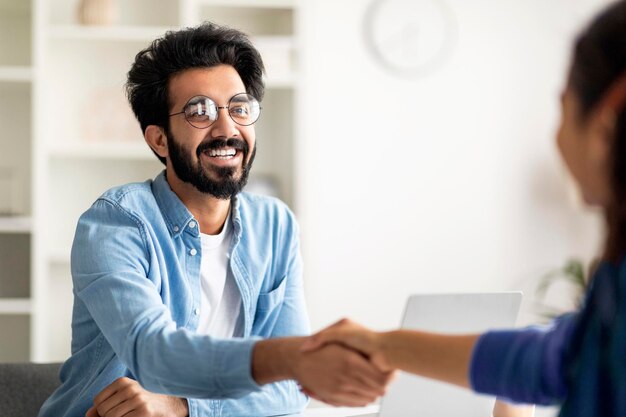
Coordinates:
[201,111]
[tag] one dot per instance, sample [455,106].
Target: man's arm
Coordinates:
[336,375]
[110,265]
[110,269]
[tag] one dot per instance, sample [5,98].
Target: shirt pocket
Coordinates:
[268,310]
[270,300]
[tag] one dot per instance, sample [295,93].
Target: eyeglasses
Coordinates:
[201,111]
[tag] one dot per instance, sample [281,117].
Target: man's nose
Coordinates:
[224,126]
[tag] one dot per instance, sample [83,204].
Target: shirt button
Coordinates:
[192,224]
[176,229]
[196,311]
[193,252]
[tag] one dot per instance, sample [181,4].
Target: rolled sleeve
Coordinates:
[524,365]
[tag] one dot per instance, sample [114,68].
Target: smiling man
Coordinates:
[188,291]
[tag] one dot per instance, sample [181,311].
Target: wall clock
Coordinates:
[410,38]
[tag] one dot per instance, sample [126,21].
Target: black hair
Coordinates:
[599,61]
[203,46]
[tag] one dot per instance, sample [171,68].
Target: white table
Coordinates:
[338,411]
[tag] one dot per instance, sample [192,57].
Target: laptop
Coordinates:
[413,396]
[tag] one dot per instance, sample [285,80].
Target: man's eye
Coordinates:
[196,110]
[239,111]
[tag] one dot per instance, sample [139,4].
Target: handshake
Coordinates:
[348,365]
[342,365]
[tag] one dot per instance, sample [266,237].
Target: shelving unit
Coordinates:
[16,73]
[15,306]
[59,154]
[16,88]
[15,224]
[119,33]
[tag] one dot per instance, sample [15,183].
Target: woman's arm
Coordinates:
[523,365]
[442,357]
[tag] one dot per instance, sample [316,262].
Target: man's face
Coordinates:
[215,160]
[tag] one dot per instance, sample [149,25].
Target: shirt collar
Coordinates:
[176,214]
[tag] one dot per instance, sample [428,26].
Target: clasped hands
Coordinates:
[362,373]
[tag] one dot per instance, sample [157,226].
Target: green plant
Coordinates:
[572,273]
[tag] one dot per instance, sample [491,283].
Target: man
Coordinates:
[186,288]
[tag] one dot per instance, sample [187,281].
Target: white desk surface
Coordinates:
[338,411]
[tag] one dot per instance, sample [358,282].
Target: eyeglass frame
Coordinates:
[217,108]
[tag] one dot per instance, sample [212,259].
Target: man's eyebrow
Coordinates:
[198,97]
[240,98]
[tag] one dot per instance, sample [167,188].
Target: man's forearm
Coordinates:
[275,359]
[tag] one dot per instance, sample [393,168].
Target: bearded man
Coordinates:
[188,296]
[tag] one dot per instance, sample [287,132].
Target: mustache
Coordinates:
[238,144]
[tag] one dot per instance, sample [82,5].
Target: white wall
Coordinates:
[447,182]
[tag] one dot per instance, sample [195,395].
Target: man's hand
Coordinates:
[333,374]
[354,336]
[340,376]
[125,397]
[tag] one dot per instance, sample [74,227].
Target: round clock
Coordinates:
[410,37]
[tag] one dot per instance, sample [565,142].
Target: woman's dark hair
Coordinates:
[203,46]
[599,61]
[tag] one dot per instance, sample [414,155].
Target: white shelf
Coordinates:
[108,33]
[17,224]
[16,73]
[104,150]
[266,4]
[15,306]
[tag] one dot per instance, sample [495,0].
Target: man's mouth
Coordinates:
[221,153]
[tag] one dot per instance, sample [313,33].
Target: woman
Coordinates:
[580,361]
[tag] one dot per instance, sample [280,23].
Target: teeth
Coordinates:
[222,152]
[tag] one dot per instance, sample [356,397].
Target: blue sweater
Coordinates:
[579,361]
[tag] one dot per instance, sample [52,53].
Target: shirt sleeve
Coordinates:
[523,365]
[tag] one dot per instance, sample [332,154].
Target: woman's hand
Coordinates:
[503,409]
[125,397]
[354,336]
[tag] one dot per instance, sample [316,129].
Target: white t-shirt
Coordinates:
[220,304]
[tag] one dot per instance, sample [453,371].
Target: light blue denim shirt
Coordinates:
[136,274]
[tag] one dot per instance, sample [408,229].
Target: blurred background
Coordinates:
[414,140]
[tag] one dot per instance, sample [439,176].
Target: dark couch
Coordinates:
[25,386]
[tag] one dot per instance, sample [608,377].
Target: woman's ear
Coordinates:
[602,132]
[157,140]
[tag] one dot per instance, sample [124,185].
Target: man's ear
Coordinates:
[157,140]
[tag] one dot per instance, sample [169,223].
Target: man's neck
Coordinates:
[209,211]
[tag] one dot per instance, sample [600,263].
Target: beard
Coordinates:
[225,185]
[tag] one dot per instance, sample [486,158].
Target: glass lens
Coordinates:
[244,109]
[201,111]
